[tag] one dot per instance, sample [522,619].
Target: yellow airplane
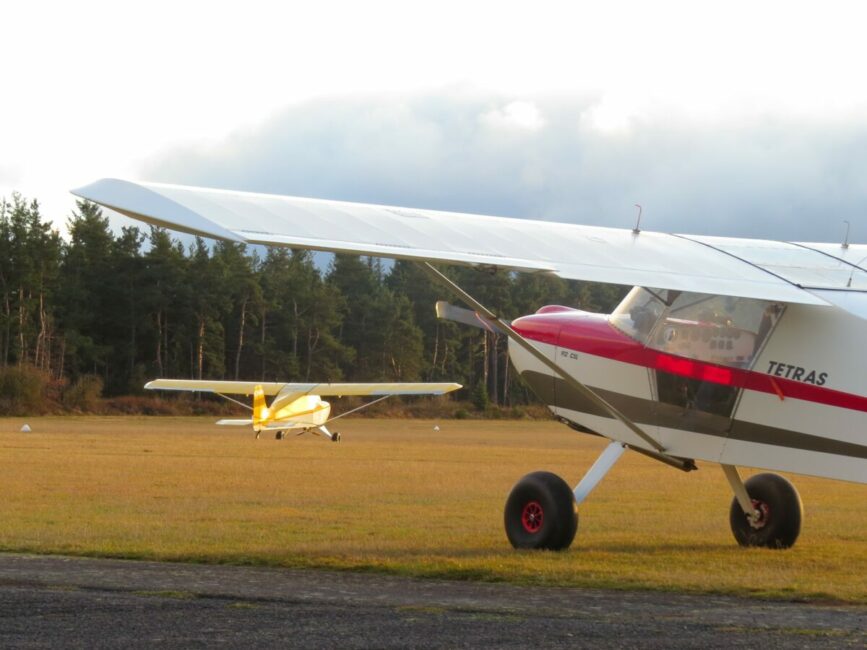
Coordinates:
[296,407]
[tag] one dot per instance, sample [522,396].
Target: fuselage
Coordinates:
[304,412]
[728,380]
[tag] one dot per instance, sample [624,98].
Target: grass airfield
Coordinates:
[395,496]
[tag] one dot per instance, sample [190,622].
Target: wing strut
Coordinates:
[357,408]
[532,349]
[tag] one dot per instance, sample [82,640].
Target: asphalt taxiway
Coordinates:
[85,602]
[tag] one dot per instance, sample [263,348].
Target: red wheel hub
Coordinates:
[532,516]
[764,513]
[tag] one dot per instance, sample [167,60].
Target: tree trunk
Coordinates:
[40,338]
[160,344]
[495,362]
[295,328]
[485,361]
[241,337]
[312,340]
[166,341]
[436,349]
[7,318]
[62,357]
[506,379]
[22,353]
[132,333]
[262,342]
[7,339]
[200,348]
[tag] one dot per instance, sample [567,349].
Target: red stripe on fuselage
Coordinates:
[593,334]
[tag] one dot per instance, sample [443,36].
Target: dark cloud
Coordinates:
[543,158]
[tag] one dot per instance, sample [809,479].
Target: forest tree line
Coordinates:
[131,306]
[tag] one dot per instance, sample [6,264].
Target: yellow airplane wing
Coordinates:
[274,388]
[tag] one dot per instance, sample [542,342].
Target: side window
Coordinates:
[720,330]
[694,394]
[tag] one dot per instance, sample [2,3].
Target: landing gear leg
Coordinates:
[598,471]
[766,510]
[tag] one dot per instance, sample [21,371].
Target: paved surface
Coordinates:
[80,602]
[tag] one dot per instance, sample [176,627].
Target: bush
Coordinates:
[480,397]
[22,391]
[518,413]
[84,394]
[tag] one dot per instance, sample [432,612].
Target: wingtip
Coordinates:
[146,202]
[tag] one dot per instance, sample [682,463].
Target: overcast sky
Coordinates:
[740,118]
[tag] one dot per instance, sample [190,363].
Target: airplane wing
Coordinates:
[780,271]
[273,388]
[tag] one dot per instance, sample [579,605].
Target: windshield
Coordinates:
[638,312]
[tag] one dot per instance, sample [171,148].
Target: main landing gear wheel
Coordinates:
[780,513]
[278,435]
[541,513]
[335,437]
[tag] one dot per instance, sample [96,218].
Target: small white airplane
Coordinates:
[296,407]
[731,351]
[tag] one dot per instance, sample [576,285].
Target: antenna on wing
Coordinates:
[846,240]
[855,267]
[637,228]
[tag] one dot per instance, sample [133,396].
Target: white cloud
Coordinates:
[520,115]
[95,87]
[775,178]
[9,178]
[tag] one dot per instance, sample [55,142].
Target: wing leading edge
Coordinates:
[773,271]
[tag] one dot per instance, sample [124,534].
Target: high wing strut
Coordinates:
[532,349]
[357,408]
[236,401]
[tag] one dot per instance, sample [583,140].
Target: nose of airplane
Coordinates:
[540,327]
[576,330]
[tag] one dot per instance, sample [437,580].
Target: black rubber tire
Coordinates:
[780,504]
[550,496]
[278,435]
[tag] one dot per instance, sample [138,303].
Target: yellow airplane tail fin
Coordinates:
[260,408]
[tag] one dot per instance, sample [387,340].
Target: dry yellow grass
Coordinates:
[396,496]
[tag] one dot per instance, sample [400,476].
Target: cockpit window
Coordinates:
[725,330]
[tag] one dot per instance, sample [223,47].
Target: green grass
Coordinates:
[397,497]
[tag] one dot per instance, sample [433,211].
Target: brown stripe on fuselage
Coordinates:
[556,392]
